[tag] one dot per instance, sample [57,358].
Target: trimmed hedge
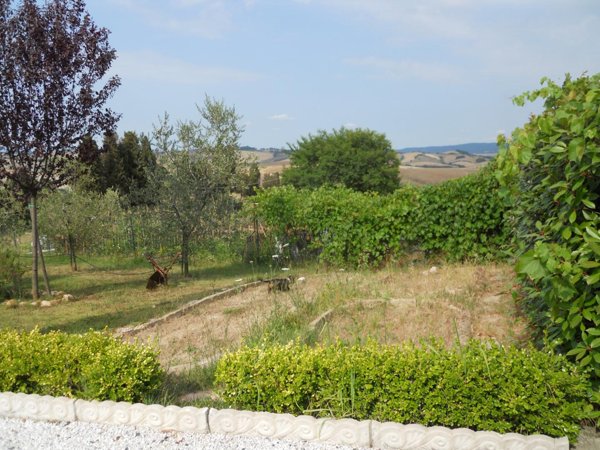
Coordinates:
[91,366]
[482,386]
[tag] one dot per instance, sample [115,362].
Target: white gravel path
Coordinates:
[20,434]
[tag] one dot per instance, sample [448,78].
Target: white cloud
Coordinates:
[281,117]
[151,66]
[432,18]
[513,38]
[402,69]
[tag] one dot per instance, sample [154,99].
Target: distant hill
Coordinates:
[249,148]
[473,148]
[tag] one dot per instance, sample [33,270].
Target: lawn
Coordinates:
[111,293]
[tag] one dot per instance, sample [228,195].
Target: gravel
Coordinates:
[17,434]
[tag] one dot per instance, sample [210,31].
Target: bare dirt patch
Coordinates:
[206,331]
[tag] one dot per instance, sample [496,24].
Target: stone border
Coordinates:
[124,331]
[366,433]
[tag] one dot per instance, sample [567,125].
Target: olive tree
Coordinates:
[77,219]
[199,166]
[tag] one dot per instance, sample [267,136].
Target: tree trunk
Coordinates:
[44,272]
[185,254]
[72,257]
[35,292]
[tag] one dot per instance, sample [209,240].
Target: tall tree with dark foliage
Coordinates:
[53,59]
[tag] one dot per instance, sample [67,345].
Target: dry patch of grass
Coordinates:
[392,305]
[425,175]
[454,302]
[202,334]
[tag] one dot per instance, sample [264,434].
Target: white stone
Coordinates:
[45,304]
[156,416]
[350,432]
[396,436]
[346,432]
[276,426]
[38,407]
[68,298]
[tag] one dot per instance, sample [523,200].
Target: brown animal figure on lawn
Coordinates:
[160,275]
[280,284]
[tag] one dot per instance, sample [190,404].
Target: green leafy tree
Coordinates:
[200,164]
[124,166]
[53,59]
[551,168]
[359,159]
[77,219]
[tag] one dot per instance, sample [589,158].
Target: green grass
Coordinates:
[111,293]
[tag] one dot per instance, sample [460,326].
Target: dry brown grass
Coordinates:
[408,174]
[209,329]
[422,175]
[455,302]
[391,305]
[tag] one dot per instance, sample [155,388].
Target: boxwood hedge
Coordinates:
[482,385]
[92,366]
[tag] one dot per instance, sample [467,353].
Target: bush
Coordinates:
[483,386]
[11,271]
[461,218]
[91,366]
[551,168]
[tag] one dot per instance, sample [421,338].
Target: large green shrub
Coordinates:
[551,168]
[360,159]
[93,366]
[483,386]
[460,218]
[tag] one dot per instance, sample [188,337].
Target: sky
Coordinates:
[422,72]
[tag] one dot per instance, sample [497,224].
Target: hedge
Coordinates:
[91,366]
[481,385]
[462,219]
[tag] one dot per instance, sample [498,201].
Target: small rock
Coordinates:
[45,304]
[11,304]
[301,279]
[433,269]
[68,298]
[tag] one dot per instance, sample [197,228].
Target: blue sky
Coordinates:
[423,72]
